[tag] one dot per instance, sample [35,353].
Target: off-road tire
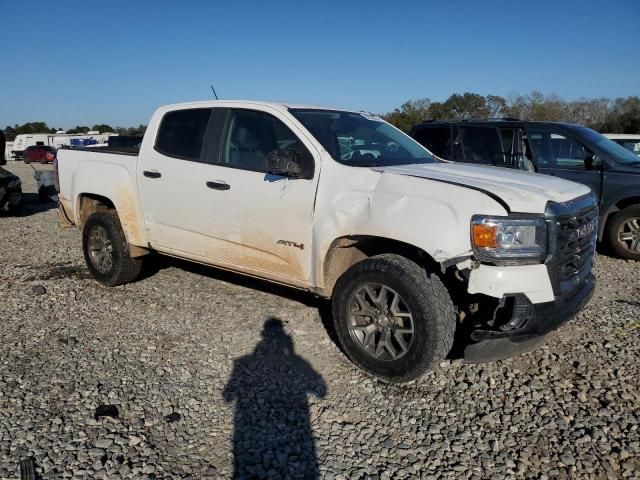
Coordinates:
[124,268]
[426,298]
[611,233]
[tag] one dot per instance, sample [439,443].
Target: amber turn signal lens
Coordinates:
[485,235]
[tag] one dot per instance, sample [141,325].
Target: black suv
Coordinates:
[563,150]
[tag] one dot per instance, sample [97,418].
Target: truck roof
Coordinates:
[246,103]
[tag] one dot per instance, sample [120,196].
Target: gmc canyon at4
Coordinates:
[412,251]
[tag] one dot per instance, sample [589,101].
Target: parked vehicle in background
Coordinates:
[3,145]
[346,206]
[628,141]
[82,142]
[39,154]
[55,140]
[10,191]
[23,141]
[563,150]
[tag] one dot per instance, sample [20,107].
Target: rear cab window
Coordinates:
[181,133]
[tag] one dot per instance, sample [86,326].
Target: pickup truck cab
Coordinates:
[563,150]
[411,251]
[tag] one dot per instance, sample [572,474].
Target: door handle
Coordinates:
[152,174]
[218,185]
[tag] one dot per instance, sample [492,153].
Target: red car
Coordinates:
[39,153]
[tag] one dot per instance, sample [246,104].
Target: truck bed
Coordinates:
[107,174]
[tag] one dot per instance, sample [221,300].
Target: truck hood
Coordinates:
[521,191]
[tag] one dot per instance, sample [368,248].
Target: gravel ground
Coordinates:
[182,372]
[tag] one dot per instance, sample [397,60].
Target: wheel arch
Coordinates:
[89,203]
[346,251]
[615,208]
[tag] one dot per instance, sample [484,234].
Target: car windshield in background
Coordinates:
[361,139]
[618,152]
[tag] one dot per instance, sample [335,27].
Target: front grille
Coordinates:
[576,242]
[573,228]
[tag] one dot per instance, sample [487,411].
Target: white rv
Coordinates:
[55,140]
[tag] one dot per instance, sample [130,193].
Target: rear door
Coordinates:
[171,179]
[258,222]
[558,154]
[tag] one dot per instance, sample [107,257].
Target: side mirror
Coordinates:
[287,163]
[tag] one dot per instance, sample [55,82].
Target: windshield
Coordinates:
[361,139]
[615,151]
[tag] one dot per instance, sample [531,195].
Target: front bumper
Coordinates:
[545,317]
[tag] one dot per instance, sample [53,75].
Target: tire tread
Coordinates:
[126,268]
[429,292]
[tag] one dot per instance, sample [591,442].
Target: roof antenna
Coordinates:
[214,92]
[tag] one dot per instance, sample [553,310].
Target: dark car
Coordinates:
[564,150]
[10,191]
[3,146]
[40,154]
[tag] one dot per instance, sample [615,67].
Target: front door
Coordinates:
[258,222]
[556,153]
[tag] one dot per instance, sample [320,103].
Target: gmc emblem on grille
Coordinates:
[587,229]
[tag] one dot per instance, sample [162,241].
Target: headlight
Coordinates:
[14,183]
[506,240]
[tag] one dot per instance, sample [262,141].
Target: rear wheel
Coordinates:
[106,251]
[624,233]
[393,319]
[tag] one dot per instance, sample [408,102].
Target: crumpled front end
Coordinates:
[522,304]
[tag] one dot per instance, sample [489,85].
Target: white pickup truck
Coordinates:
[412,251]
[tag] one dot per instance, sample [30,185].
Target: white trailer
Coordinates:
[55,140]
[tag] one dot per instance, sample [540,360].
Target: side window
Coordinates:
[251,135]
[552,148]
[477,145]
[437,140]
[181,133]
[632,145]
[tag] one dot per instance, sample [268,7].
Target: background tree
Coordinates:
[495,104]
[409,113]
[621,115]
[78,129]
[103,128]
[467,105]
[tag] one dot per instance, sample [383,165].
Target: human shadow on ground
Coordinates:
[272,426]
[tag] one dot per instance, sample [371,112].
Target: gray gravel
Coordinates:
[176,360]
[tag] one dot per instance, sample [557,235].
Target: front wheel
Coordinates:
[393,319]
[624,233]
[106,251]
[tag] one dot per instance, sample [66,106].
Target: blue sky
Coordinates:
[80,62]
